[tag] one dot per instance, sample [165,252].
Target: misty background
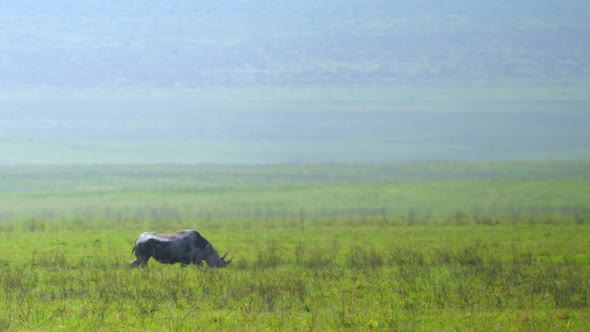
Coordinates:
[258,81]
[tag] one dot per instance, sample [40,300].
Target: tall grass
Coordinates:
[462,254]
[389,277]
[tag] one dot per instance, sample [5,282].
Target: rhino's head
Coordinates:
[212,258]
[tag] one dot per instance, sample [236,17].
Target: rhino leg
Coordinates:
[140,261]
[198,259]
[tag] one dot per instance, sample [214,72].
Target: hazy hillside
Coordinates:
[279,137]
[113,43]
[293,81]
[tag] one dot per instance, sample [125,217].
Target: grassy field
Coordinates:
[418,246]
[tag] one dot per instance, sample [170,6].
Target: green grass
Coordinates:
[499,246]
[320,277]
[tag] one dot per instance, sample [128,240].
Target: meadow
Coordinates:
[403,246]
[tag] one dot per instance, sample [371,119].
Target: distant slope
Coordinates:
[295,55]
[204,43]
[264,81]
[287,137]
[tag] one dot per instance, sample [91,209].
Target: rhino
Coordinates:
[184,247]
